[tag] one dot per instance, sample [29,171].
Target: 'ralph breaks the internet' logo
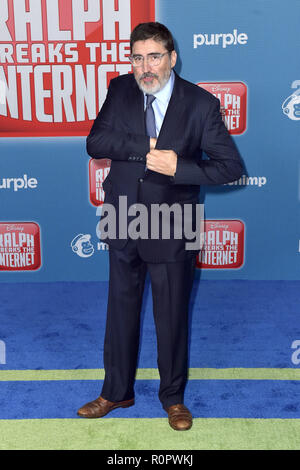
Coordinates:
[57,58]
[233,100]
[20,246]
[222,243]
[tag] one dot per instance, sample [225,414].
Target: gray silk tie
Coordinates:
[150,117]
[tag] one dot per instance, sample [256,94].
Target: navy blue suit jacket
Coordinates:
[192,124]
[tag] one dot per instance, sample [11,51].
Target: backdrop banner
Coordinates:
[56,60]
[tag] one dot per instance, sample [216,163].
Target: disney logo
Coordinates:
[219,88]
[217,225]
[10,228]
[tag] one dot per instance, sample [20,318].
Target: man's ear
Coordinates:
[173,58]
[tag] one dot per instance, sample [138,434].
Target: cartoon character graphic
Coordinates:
[82,246]
[291,105]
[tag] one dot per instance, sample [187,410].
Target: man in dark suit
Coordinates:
[154,126]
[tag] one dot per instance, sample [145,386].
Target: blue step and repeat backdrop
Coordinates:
[56,60]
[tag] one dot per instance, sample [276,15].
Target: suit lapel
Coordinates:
[172,120]
[135,98]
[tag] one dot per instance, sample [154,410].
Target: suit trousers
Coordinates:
[171,285]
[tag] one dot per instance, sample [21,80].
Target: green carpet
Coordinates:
[152,374]
[149,434]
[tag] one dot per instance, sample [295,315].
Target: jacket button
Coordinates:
[141,180]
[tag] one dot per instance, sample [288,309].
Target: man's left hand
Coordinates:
[162,161]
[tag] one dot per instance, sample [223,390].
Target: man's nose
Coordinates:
[146,66]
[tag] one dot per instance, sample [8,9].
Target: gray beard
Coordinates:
[154,88]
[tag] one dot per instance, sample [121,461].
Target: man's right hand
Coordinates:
[152,143]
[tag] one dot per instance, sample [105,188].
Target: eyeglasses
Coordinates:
[153,59]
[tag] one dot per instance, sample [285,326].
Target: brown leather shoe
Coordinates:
[180,417]
[100,407]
